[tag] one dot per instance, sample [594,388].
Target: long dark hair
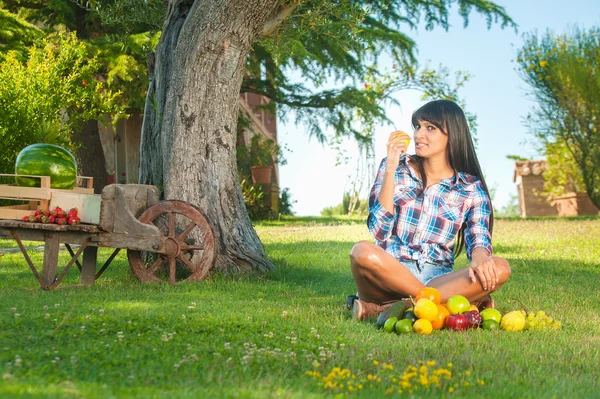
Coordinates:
[450,119]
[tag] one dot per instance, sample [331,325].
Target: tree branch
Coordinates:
[283,12]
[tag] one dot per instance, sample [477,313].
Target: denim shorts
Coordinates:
[426,271]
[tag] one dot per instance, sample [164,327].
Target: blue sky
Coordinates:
[495,93]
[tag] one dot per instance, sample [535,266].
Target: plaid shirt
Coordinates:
[424,227]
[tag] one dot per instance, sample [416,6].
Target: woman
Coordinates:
[423,210]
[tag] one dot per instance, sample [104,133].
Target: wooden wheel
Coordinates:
[189,245]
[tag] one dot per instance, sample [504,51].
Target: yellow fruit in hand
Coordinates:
[403,137]
[513,321]
[423,326]
[426,309]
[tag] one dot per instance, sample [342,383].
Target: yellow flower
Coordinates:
[450,389]
[431,363]
[375,362]
[467,373]
[449,365]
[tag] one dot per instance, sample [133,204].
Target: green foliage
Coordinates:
[285,202]
[57,85]
[253,199]
[562,174]
[562,70]
[123,60]
[16,34]
[263,152]
[329,42]
[122,54]
[343,209]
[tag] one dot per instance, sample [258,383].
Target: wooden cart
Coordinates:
[167,241]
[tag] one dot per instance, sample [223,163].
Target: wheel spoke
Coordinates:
[187,262]
[187,231]
[171,224]
[152,269]
[186,247]
[172,269]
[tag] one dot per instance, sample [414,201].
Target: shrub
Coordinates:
[57,85]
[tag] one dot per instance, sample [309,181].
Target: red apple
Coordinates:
[457,322]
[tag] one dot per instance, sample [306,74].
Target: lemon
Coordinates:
[513,321]
[426,309]
[423,327]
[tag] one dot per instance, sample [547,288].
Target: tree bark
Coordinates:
[90,155]
[190,118]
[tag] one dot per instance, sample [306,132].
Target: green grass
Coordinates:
[261,336]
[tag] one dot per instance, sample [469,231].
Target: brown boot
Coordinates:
[485,303]
[362,310]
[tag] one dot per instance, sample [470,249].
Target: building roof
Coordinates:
[529,167]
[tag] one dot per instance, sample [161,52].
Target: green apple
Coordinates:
[458,304]
[491,314]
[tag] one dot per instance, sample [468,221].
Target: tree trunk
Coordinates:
[90,155]
[190,118]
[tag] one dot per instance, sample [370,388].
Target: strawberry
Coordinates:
[61,221]
[72,213]
[44,219]
[37,212]
[51,219]
[57,211]
[25,218]
[31,219]
[74,220]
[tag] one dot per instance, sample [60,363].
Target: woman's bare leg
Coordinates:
[459,283]
[379,277]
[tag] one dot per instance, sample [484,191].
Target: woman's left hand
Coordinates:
[484,268]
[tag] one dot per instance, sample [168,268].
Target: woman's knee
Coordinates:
[502,268]
[364,255]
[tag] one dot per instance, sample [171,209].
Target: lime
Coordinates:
[410,315]
[490,324]
[491,314]
[403,326]
[389,324]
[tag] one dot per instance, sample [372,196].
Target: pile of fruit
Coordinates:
[55,216]
[457,314]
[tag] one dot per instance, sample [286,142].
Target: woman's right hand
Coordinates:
[397,145]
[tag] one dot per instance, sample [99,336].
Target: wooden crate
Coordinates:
[45,198]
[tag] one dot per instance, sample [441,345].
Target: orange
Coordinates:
[426,309]
[423,327]
[440,320]
[430,293]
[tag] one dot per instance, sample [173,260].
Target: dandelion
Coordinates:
[183,316]
[17,315]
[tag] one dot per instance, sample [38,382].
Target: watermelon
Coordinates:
[46,160]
